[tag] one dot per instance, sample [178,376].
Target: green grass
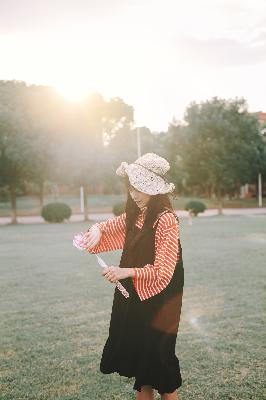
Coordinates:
[104,203]
[30,205]
[55,309]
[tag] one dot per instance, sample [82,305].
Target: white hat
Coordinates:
[146,174]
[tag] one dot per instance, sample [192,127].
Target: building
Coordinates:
[262,118]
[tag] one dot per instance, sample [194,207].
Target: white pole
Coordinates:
[189,217]
[81,199]
[138,142]
[260,190]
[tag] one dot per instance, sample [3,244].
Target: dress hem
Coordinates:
[153,385]
[156,387]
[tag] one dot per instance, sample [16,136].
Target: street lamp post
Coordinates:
[260,190]
[138,143]
[263,132]
[81,191]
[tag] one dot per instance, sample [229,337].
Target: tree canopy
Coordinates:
[220,145]
[44,138]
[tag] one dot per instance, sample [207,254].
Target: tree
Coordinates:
[15,154]
[45,111]
[84,155]
[29,117]
[173,141]
[116,116]
[222,145]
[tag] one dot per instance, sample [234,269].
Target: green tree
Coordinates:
[45,111]
[84,156]
[15,154]
[30,118]
[116,115]
[44,137]
[173,141]
[222,145]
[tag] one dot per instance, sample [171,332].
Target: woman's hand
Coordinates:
[93,236]
[114,274]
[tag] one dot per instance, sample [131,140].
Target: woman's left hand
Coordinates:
[114,274]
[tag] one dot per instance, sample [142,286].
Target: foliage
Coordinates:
[26,129]
[116,115]
[195,207]
[222,143]
[173,151]
[15,148]
[119,208]
[43,137]
[220,146]
[4,194]
[56,212]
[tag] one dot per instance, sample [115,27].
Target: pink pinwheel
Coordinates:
[79,241]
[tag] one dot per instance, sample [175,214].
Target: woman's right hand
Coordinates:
[93,236]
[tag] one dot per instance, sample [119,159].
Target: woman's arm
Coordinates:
[152,279]
[113,233]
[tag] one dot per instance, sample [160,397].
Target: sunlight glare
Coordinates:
[73,92]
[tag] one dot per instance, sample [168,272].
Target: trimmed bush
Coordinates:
[119,208]
[195,207]
[56,212]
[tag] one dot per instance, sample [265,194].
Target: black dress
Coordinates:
[142,334]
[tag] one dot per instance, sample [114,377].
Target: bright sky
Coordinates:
[157,55]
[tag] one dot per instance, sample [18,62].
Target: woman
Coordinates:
[143,328]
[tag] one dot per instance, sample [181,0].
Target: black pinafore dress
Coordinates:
[142,334]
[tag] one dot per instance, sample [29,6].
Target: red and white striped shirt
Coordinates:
[150,279]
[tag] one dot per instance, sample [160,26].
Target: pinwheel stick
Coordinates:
[79,243]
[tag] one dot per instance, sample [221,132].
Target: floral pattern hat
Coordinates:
[146,174]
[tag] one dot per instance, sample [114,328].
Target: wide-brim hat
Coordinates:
[146,174]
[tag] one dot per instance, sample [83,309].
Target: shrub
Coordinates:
[56,212]
[195,207]
[119,208]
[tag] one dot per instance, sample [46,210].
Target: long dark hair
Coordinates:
[156,204]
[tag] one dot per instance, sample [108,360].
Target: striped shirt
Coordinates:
[150,279]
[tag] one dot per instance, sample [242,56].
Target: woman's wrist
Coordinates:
[131,273]
[96,225]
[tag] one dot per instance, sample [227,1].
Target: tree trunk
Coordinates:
[86,210]
[237,189]
[41,195]
[13,204]
[220,201]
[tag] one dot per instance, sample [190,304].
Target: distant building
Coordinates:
[249,191]
[261,117]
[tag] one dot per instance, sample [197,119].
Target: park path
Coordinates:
[36,219]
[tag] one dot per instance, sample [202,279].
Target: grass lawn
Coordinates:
[55,310]
[104,203]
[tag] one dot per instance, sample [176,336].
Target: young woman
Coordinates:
[143,328]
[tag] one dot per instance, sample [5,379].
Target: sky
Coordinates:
[157,55]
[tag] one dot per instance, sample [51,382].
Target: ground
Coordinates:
[29,205]
[55,309]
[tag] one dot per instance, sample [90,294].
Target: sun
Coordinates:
[73,93]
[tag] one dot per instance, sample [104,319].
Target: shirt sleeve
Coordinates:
[152,279]
[113,235]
